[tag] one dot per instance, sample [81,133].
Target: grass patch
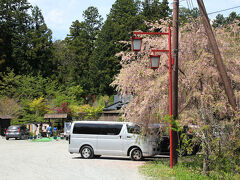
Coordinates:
[43,139]
[189,168]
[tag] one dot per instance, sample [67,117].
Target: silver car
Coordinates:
[17,132]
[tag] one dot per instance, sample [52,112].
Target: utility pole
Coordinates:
[217,56]
[175,80]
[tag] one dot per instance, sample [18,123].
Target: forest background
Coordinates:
[40,76]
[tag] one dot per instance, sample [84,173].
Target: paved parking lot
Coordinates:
[26,160]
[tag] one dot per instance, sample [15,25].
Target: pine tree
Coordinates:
[154,10]
[14,21]
[39,45]
[124,17]
[72,55]
[25,40]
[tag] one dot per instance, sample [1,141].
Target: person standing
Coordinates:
[49,131]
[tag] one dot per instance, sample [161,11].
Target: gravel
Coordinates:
[26,160]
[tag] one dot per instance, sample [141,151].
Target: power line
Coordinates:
[188,5]
[192,4]
[224,10]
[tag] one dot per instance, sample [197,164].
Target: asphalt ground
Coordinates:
[27,160]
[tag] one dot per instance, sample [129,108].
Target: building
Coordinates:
[5,122]
[114,111]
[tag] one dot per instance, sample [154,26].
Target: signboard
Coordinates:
[67,128]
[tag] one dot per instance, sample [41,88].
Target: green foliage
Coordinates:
[25,86]
[79,44]
[104,100]
[25,39]
[9,83]
[87,112]
[13,13]
[61,98]
[154,10]
[39,39]
[39,106]
[71,95]
[187,15]
[124,17]
[32,111]
[85,58]
[185,143]
[221,21]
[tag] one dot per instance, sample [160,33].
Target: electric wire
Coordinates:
[188,4]
[192,4]
[223,10]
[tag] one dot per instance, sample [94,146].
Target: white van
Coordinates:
[96,138]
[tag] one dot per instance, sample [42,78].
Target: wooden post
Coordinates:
[175,79]
[217,56]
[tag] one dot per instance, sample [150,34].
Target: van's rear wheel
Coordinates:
[136,154]
[87,152]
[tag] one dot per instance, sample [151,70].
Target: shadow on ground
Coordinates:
[127,158]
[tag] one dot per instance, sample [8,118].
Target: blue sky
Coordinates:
[59,14]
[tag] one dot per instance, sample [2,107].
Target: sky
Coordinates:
[59,14]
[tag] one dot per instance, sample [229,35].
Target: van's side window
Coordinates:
[97,129]
[134,129]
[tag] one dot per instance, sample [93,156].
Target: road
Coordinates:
[26,160]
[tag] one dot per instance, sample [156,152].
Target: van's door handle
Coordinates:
[129,136]
[120,137]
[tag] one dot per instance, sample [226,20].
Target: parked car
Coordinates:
[17,132]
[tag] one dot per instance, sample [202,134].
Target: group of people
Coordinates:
[51,130]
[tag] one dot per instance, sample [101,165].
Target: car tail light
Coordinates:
[19,130]
[6,131]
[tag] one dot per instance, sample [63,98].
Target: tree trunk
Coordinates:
[206,161]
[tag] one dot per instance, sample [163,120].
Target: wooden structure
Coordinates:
[5,122]
[114,111]
[59,119]
[113,115]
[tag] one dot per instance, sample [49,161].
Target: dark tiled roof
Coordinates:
[115,106]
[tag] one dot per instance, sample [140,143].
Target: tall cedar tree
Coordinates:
[25,40]
[154,10]
[104,65]
[13,23]
[80,45]
[39,55]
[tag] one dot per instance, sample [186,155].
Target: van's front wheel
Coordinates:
[86,152]
[136,154]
